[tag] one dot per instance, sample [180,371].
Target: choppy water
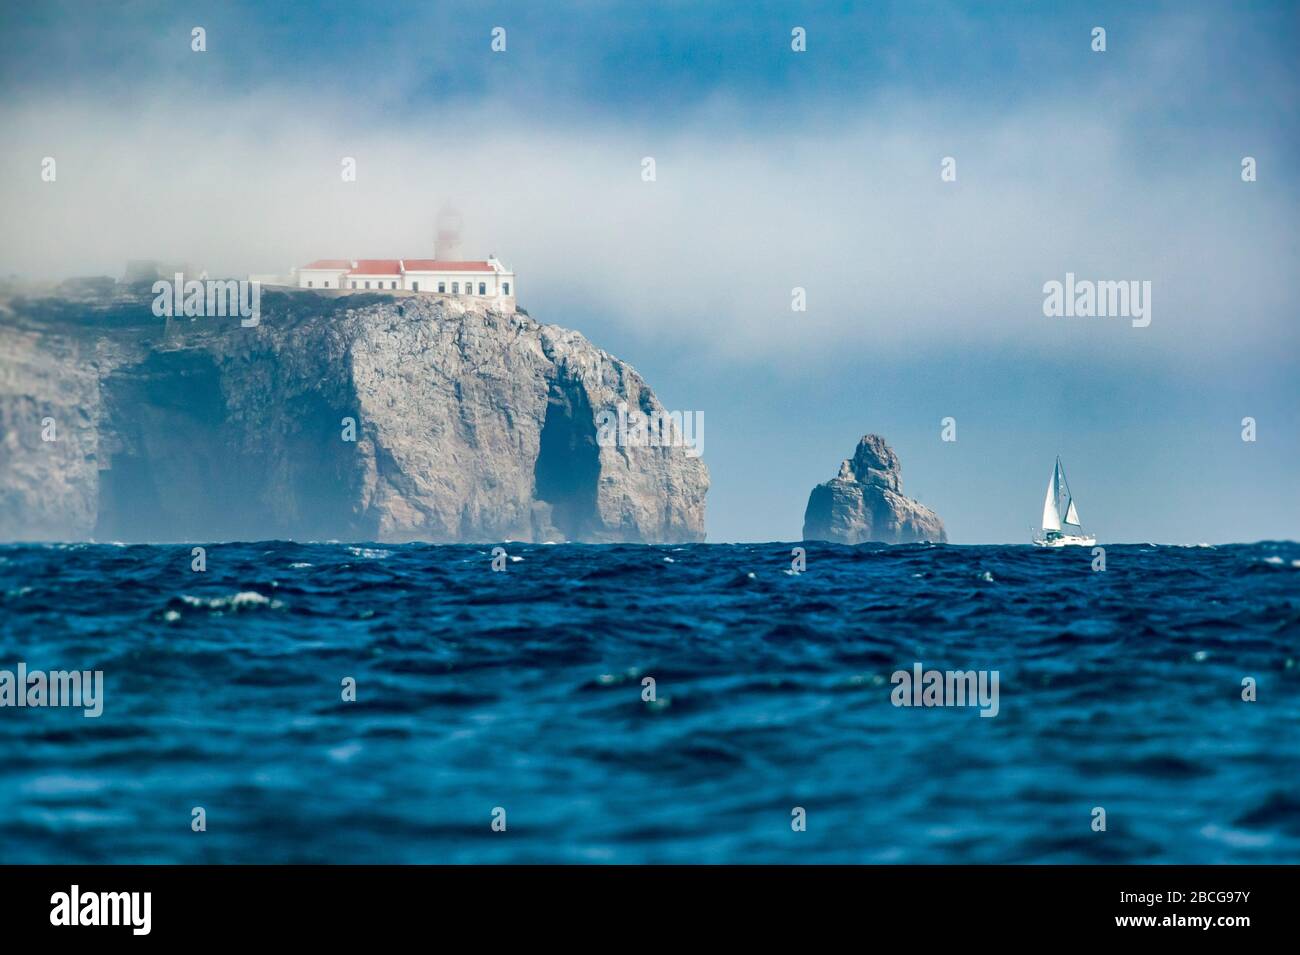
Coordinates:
[522,689]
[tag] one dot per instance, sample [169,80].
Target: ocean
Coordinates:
[504,715]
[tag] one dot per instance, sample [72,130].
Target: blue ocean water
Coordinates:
[522,689]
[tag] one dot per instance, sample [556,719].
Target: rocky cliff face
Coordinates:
[865,502]
[337,417]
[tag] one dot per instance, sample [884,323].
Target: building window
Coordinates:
[455,288]
[367,285]
[442,286]
[309,283]
[482,288]
[415,286]
[505,287]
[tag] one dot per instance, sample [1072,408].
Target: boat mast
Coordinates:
[1071,516]
[1069,495]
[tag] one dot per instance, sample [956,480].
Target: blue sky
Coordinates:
[775,170]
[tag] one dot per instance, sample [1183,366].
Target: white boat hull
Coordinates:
[1065,540]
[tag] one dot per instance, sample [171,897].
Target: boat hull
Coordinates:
[1065,540]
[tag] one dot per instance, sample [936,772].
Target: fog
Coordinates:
[847,205]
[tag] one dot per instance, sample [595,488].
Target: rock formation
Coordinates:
[865,502]
[468,424]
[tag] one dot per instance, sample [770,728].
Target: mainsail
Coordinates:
[1052,516]
[1058,491]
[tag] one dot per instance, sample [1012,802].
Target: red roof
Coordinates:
[393,266]
[433,265]
[376,267]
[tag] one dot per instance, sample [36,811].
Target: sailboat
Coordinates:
[1061,527]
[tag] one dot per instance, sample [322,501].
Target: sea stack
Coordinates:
[865,502]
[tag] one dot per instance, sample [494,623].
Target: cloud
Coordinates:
[842,199]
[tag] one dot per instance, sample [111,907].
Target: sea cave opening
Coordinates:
[568,462]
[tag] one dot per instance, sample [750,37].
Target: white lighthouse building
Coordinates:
[444,274]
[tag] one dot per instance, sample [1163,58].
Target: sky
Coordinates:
[774,169]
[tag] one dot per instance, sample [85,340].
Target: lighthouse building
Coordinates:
[488,278]
[445,274]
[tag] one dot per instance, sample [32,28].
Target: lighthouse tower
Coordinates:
[446,245]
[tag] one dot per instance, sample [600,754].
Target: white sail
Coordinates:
[1051,516]
[1059,496]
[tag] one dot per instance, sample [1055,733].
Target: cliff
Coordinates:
[470,425]
[865,502]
